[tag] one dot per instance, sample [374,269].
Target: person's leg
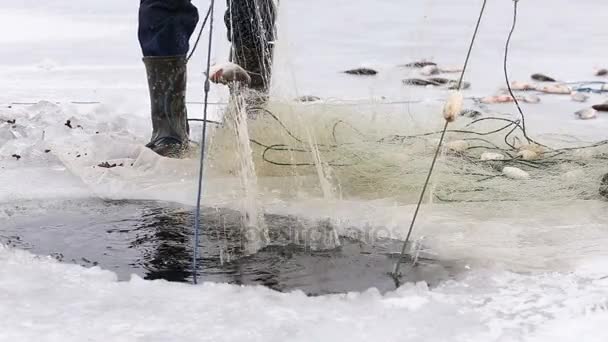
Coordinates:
[251,29]
[165,27]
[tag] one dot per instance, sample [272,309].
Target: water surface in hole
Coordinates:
[154,241]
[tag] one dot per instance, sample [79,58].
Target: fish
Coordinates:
[508,99]
[436,82]
[361,72]
[228,73]
[496,99]
[515,85]
[419,82]
[419,64]
[559,89]
[601,107]
[451,84]
[542,78]
[601,72]
[439,80]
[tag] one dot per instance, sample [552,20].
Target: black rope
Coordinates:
[506,72]
[286,148]
[282,147]
[513,125]
[272,115]
[200,34]
[395,273]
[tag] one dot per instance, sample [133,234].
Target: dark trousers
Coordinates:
[165,26]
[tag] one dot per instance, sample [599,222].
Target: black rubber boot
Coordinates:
[167,84]
[251,29]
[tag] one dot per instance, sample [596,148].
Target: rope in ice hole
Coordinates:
[197,214]
[454,100]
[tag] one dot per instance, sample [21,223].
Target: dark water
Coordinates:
[154,241]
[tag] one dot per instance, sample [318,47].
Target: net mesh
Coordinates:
[373,151]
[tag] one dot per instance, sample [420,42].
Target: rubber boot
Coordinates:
[167,84]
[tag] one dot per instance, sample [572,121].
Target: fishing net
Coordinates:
[382,148]
[377,151]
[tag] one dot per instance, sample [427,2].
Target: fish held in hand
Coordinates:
[229,73]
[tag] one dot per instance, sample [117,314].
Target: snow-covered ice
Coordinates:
[538,272]
[43,300]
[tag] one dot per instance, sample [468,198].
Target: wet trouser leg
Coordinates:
[251,30]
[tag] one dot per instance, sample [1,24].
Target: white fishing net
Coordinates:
[374,151]
[523,145]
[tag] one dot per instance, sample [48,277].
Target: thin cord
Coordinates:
[197,214]
[505,68]
[207,121]
[200,34]
[466,61]
[395,273]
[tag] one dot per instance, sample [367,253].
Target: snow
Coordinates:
[537,271]
[43,300]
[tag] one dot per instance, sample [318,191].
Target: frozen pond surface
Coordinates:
[537,271]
